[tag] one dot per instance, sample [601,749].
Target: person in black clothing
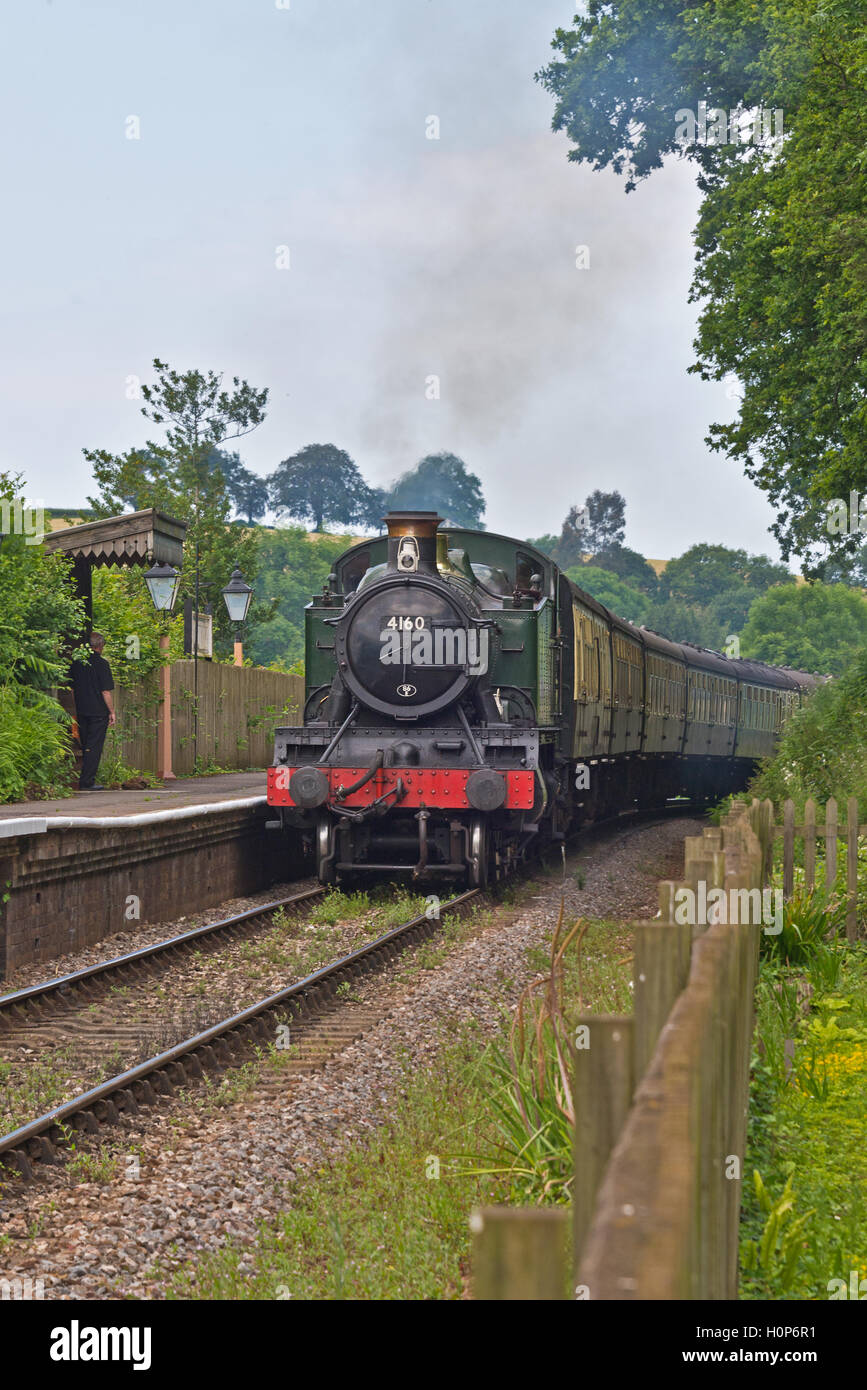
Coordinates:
[92,685]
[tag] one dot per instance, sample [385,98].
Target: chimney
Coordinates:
[412,542]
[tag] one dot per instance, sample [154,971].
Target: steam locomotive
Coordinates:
[465,701]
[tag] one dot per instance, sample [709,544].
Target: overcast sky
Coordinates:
[306,127]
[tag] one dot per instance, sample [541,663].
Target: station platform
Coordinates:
[185,791]
[91,865]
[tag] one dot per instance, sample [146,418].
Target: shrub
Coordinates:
[34,747]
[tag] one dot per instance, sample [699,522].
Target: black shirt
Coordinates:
[89,679]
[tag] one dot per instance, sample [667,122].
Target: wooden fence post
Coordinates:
[667,890]
[788,848]
[830,847]
[662,956]
[852,868]
[520,1253]
[809,844]
[603,1054]
[768,843]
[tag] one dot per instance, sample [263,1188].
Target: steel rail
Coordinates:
[61,984]
[12,1144]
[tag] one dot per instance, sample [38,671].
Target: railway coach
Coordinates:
[465,701]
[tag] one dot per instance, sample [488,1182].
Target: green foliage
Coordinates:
[35,753]
[179,477]
[632,568]
[530,1087]
[625,70]
[815,627]
[124,614]
[704,572]
[38,609]
[782,232]
[609,589]
[808,1094]
[807,921]
[385,1218]
[441,482]
[823,747]
[292,567]
[546,544]
[321,484]
[248,492]
[39,616]
[336,906]
[598,525]
[703,596]
[779,1249]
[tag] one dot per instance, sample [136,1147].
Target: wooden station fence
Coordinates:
[660,1100]
[238,709]
[832,832]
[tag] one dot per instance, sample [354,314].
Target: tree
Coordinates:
[623,600]
[704,572]
[730,609]
[630,566]
[377,506]
[815,627]
[547,544]
[40,622]
[247,491]
[292,567]
[782,233]
[321,484]
[845,568]
[823,748]
[599,525]
[176,475]
[442,483]
[685,622]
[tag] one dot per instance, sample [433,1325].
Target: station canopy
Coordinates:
[136,538]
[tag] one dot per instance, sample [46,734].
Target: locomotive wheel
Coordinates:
[477,876]
[325,871]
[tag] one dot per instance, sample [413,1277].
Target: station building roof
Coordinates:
[135,538]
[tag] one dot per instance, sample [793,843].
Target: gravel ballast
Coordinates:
[191,1176]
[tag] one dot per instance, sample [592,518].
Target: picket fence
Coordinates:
[661,1096]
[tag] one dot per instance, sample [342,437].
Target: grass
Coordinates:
[806,1132]
[34,1087]
[387,1217]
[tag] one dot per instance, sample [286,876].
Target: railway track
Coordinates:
[37,1001]
[217,1048]
[220,1046]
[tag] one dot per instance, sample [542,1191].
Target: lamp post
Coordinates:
[162,582]
[237,595]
